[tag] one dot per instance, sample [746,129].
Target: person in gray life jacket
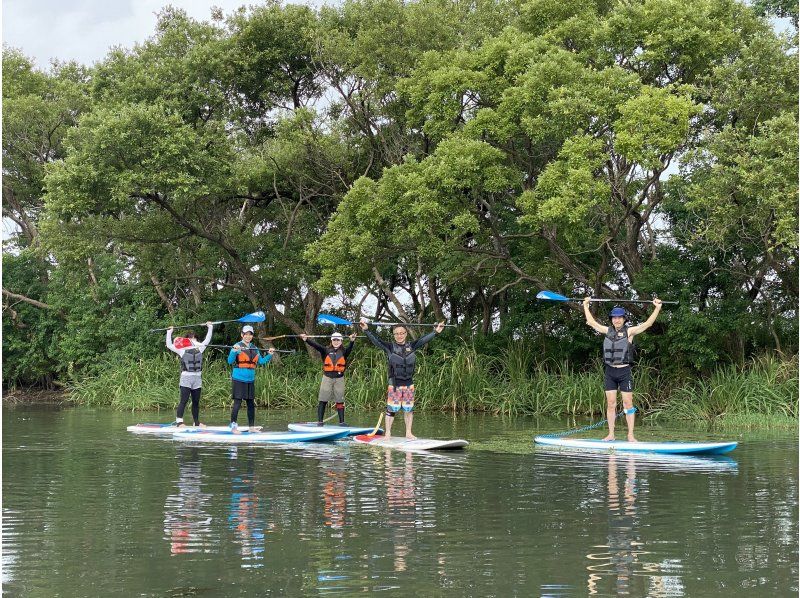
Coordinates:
[190,353]
[402,361]
[618,359]
[334,364]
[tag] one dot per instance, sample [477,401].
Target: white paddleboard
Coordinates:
[171,428]
[403,444]
[229,437]
[313,427]
[623,446]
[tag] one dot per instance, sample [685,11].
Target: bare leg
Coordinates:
[627,404]
[389,422]
[409,417]
[611,412]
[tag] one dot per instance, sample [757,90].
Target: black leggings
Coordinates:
[251,411]
[185,394]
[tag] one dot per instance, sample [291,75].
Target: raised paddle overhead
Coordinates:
[621,446]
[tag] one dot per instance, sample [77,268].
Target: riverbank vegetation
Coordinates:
[415,161]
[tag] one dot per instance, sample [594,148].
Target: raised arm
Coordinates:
[170,346]
[590,318]
[319,348]
[202,346]
[634,330]
[386,347]
[350,346]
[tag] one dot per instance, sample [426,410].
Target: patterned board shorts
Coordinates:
[400,398]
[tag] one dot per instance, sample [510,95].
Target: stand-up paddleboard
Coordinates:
[622,446]
[171,428]
[403,444]
[258,437]
[313,427]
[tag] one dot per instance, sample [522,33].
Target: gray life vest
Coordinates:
[402,361]
[617,349]
[191,360]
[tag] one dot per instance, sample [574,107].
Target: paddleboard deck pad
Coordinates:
[229,437]
[622,446]
[403,444]
[313,427]
[171,428]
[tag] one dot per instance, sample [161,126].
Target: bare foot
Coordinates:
[631,438]
[198,425]
[608,438]
[236,431]
[410,437]
[387,436]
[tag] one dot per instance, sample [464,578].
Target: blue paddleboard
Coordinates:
[623,446]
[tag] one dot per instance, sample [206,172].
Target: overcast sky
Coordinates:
[84,30]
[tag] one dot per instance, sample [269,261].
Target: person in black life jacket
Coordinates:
[244,357]
[617,359]
[334,363]
[402,361]
[190,353]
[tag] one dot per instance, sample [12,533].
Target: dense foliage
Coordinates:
[413,160]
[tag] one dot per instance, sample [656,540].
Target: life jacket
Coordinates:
[191,360]
[617,349]
[402,361]
[334,361]
[247,359]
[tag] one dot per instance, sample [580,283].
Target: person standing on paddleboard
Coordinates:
[190,353]
[617,360]
[246,358]
[334,363]
[402,361]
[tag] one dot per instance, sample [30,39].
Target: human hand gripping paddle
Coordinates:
[551,296]
[256,316]
[337,321]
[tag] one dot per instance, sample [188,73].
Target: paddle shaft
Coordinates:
[257,348]
[598,300]
[195,325]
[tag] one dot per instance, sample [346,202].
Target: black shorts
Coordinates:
[244,391]
[619,378]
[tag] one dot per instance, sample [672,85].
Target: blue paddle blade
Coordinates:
[335,320]
[256,316]
[551,296]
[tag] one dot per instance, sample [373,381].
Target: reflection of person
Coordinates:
[190,353]
[402,361]
[187,524]
[623,546]
[334,363]
[401,500]
[334,495]
[246,515]
[246,357]
[618,357]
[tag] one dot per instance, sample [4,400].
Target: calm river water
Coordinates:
[92,510]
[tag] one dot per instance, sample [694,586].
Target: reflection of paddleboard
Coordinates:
[402,444]
[258,437]
[622,446]
[313,427]
[171,428]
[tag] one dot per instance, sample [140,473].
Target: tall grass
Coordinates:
[462,380]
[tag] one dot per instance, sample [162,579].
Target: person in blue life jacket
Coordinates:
[617,360]
[245,358]
[190,353]
[402,362]
[334,363]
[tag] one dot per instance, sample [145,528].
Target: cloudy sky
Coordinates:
[84,30]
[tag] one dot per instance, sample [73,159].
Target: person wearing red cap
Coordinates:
[617,360]
[190,353]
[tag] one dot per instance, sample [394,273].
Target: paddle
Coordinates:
[256,316]
[551,296]
[272,338]
[259,348]
[337,321]
[378,425]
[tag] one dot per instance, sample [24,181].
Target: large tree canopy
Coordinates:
[413,160]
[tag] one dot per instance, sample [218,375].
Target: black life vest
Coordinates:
[402,361]
[617,348]
[191,360]
[334,361]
